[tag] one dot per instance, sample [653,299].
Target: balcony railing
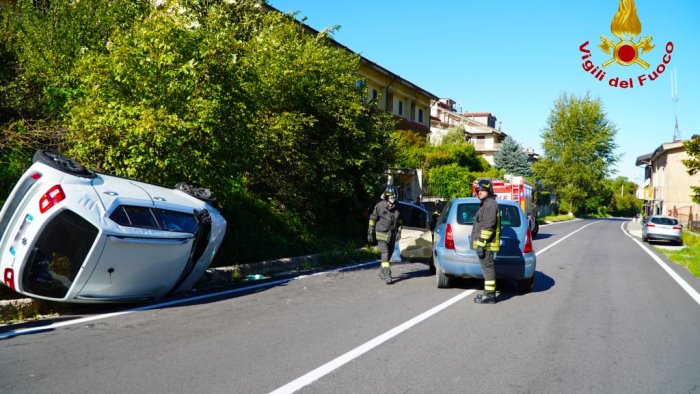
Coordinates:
[483,146]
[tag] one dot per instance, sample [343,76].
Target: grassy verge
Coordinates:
[555,218]
[688,257]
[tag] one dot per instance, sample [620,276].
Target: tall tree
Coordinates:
[47,38]
[511,159]
[624,200]
[692,147]
[579,150]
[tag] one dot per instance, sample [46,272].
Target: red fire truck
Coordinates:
[517,189]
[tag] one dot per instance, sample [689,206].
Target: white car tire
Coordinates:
[62,163]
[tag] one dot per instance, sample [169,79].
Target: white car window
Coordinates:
[664,221]
[413,216]
[155,218]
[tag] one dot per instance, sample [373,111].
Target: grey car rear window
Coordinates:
[158,219]
[664,221]
[510,215]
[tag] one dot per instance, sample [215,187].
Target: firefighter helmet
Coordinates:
[390,193]
[485,184]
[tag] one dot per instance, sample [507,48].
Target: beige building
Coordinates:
[667,189]
[407,102]
[479,127]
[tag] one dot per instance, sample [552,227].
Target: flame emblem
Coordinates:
[626,27]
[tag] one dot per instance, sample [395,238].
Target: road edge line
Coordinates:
[673,274]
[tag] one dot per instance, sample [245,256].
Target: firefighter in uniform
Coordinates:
[486,239]
[384,229]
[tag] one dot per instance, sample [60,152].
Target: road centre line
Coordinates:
[567,236]
[338,362]
[681,282]
[52,326]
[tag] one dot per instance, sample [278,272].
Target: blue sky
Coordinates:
[514,58]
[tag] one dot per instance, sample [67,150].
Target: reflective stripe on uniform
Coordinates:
[382,236]
[386,264]
[372,223]
[490,285]
[486,234]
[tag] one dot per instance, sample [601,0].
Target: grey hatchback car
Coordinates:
[452,253]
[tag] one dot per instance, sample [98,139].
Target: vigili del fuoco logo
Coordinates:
[630,50]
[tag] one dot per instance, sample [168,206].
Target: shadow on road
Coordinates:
[507,288]
[421,273]
[542,236]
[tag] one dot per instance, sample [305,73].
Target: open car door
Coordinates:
[416,237]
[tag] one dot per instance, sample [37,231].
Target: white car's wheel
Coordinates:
[201,193]
[62,163]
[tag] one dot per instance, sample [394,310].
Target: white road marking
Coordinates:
[570,234]
[52,326]
[13,333]
[332,365]
[681,282]
[338,362]
[318,372]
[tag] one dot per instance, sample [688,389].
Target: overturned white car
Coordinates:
[69,234]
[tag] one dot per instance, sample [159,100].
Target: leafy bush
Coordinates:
[220,94]
[451,181]
[555,218]
[18,142]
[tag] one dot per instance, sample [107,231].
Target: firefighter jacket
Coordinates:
[486,232]
[385,220]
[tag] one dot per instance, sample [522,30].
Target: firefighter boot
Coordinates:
[488,297]
[385,274]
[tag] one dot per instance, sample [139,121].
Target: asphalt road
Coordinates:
[604,317]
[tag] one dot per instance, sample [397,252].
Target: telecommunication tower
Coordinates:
[674,98]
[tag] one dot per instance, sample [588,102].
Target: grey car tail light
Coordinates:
[449,237]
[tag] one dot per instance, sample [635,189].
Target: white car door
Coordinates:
[132,267]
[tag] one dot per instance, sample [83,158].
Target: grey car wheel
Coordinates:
[443,281]
[62,163]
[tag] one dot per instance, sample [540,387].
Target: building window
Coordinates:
[374,94]
[400,107]
[420,115]
[480,142]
